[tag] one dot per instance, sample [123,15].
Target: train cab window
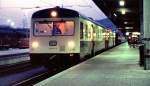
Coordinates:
[68,29]
[43,28]
[65,28]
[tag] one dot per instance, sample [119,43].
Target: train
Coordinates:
[61,36]
[13,37]
[23,37]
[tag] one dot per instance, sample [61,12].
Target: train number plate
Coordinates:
[52,43]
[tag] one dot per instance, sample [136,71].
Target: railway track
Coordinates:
[38,77]
[26,66]
[33,80]
[14,68]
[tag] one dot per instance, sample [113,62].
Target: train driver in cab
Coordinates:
[56,30]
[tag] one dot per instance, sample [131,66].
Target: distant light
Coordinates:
[54,14]
[120,28]
[115,14]
[125,22]
[136,33]
[123,11]
[12,24]
[8,20]
[128,27]
[127,33]
[122,3]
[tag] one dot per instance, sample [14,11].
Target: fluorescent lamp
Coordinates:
[123,11]
[121,3]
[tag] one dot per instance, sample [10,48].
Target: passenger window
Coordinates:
[86,32]
[89,33]
[81,30]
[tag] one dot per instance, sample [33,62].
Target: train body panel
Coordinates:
[61,43]
[93,37]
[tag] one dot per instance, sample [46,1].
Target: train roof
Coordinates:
[22,31]
[62,13]
[6,29]
[90,19]
[10,30]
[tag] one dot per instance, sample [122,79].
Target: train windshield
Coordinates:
[59,28]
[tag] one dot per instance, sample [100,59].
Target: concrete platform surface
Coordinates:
[12,56]
[115,67]
[13,51]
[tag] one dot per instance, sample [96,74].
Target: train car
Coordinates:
[6,34]
[13,38]
[22,37]
[62,36]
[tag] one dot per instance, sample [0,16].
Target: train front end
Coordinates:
[55,38]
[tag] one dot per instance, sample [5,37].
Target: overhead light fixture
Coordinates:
[122,3]
[123,11]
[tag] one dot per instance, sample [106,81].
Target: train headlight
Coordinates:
[35,45]
[54,14]
[71,44]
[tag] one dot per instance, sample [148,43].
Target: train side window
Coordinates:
[94,33]
[99,33]
[81,30]
[86,31]
[89,32]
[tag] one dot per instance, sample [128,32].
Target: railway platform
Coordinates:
[118,66]
[13,51]
[12,56]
